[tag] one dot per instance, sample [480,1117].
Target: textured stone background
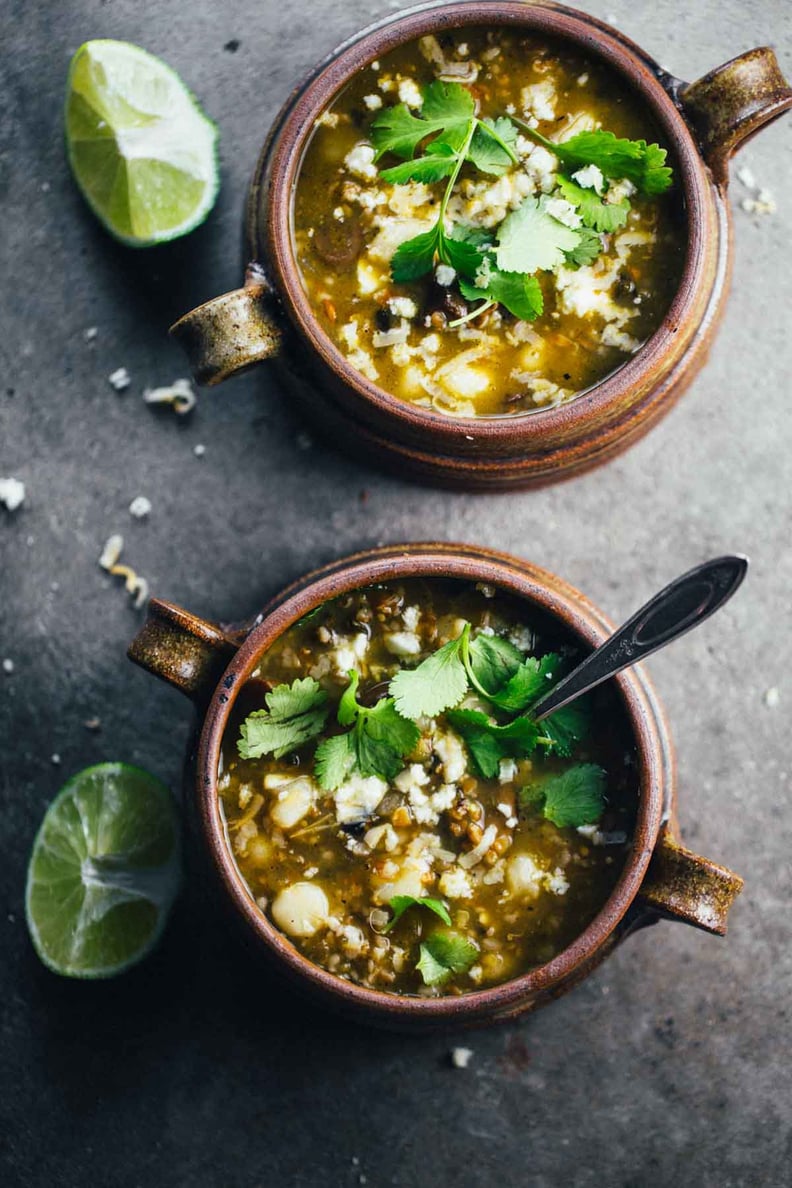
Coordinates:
[671,1065]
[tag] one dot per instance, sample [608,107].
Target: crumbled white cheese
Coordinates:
[426,809]
[449,749]
[360,161]
[410,92]
[140,507]
[747,178]
[403,643]
[411,615]
[525,877]
[369,280]
[372,102]
[591,178]
[119,379]
[563,211]
[358,798]
[538,99]
[455,883]
[12,493]
[414,776]
[612,336]
[522,637]
[329,119]
[402,307]
[8,666]
[507,773]
[461,1057]
[338,214]
[445,275]
[301,909]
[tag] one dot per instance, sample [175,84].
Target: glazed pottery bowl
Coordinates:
[702,123]
[660,878]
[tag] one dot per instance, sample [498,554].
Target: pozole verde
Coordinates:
[394,810]
[485,224]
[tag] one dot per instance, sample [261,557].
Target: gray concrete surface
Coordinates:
[671,1066]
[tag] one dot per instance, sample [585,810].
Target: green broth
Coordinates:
[533,891]
[347,221]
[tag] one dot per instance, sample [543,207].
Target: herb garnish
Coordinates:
[295,714]
[401,903]
[444,953]
[488,742]
[375,746]
[500,268]
[573,798]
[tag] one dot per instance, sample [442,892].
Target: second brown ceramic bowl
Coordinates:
[661,878]
[702,123]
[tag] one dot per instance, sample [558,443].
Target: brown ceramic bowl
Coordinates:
[660,878]
[703,124]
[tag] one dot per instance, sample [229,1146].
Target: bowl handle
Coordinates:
[730,104]
[227,335]
[681,885]
[183,650]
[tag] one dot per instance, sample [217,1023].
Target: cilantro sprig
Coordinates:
[444,953]
[295,714]
[376,745]
[616,157]
[501,268]
[574,797]
[402,903]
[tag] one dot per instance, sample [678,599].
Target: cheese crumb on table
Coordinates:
[140,507]
[119,379]
[12,493]
[461,1057]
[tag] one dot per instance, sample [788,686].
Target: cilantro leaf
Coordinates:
[415,257]
[492,149]
[334,761]
[435,685]
[376,744]
[432,167]
[520,294]
[488,743]
[566,728]
[401,903]
[586,250]
[295,713]
[572,798]
[444,953]
[593,210]
[493,660]
[396,130]
[530,239]
[383,737]
[533,678]
[641,163]
[462,254]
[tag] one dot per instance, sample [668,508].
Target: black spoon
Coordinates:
[678,608]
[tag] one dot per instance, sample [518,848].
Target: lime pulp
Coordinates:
[104,871]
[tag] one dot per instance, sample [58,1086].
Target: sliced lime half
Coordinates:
[104,872]
[142,151]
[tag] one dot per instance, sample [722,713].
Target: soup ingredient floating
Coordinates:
[141,150]
[104,872]
[395,808]
[485,226]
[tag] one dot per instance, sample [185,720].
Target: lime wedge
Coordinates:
[141,150]
[104,872]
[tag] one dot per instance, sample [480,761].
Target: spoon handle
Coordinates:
[678,608]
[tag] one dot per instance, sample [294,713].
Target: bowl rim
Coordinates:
[281,159]
[538,588]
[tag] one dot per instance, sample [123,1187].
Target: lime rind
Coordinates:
[126,107]
[103,873]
